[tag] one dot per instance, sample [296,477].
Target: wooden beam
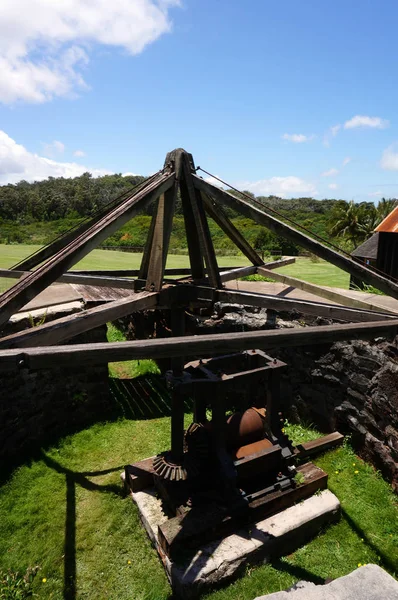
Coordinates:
[67,327]
[201,345]
[318,290]
[146,255]
[201,224]
[236,273]
[283,304]
[194,247]
[101,281]
[260,216]
[31,285]
[217,214]
[161,238]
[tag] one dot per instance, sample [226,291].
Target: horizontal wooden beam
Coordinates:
[306,307]
[202,345]
[97,280]
[318,290]
[135,272]
[236,273]
[297,237]
[67,327]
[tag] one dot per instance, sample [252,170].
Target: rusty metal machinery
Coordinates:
[235,446]
[234,464]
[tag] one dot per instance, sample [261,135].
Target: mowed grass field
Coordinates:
[65,512]
[320,272]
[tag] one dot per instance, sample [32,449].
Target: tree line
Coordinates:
[39,211]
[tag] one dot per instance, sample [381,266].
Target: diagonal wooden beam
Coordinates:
[201,224]
[318,290]
[280,228]
[196,345]
[31,285]
[215,211]
[67,327]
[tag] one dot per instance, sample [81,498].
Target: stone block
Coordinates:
[221,560]
[366,583]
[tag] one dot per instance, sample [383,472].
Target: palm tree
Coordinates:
[384,208]
[354,222]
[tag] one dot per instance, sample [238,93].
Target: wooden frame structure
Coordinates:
[202,285]
[203,282]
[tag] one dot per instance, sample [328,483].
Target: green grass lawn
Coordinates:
[320,272]
[65,513]
[107,259]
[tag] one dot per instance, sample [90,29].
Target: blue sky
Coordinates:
[292,98]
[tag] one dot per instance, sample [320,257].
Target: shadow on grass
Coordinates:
[145,397]
[141,398]
[73,478]
[385,561]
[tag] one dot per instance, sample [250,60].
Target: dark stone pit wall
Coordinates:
[37,408]
[351,387]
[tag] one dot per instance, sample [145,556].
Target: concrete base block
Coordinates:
[366,583]
[223,559]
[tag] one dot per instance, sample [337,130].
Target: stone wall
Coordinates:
[39,407]
[352,387]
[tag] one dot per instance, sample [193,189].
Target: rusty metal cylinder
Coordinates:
[244,428]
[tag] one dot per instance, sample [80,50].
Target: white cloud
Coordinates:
[329,173]
[332,132]
[333,186]
[129,174]
[297,138]
[346,160]
[280,186]
[377,194]
[389,159]
[44,44]
[365,121]
[79,153]
[16,163]
[54,148]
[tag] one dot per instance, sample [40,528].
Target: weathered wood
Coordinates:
[204,345]
[139,476]
[318,290]
[135,272]
[31,285]
[326,442]
[67,327]
[205,241]
[205,523]
[236,273]
[194,248]
[217,214]
[307,307]
[146,255]
[97,280]
[280,228]
[161,239]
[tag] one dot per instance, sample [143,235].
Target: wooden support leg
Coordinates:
[177,426]
[177,407]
